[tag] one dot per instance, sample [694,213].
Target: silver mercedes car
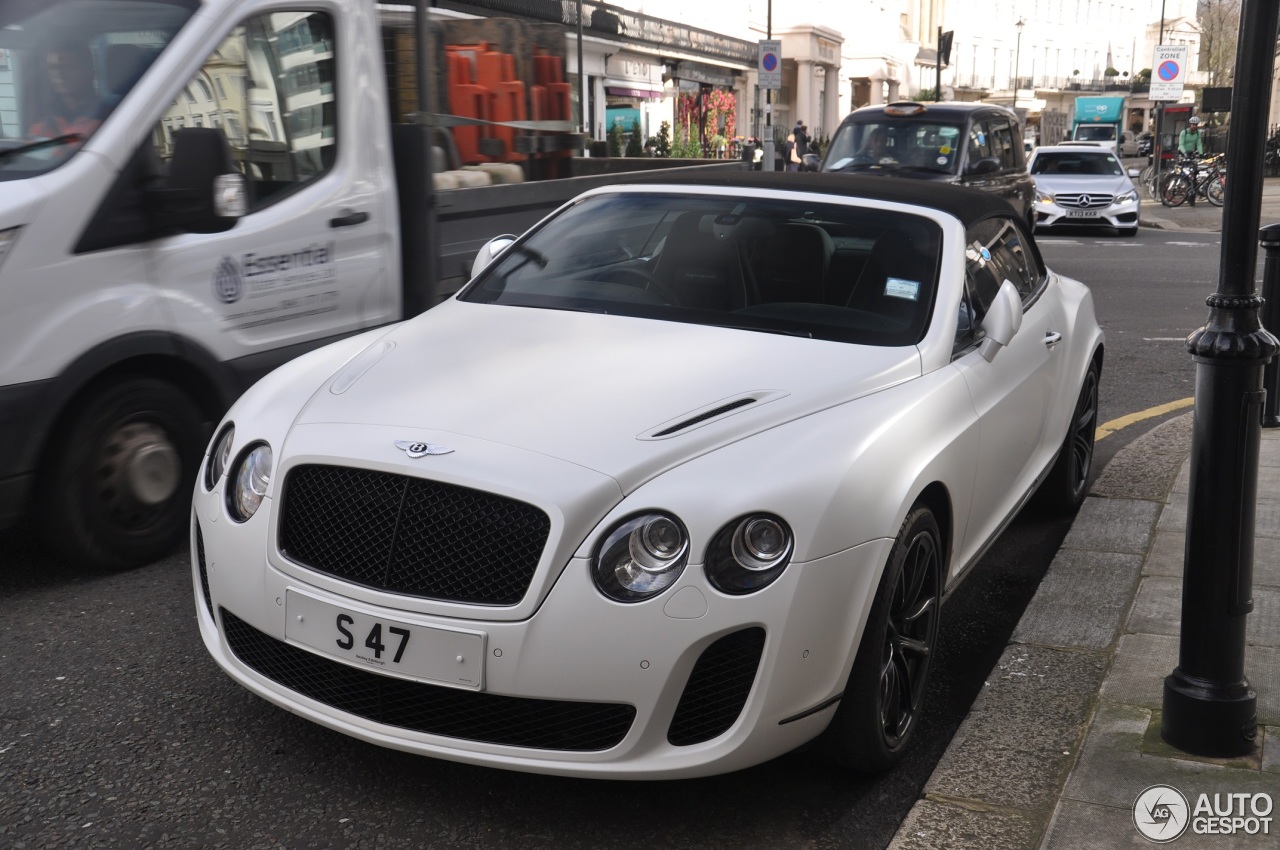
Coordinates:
[1083,183]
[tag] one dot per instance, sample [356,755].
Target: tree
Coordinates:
[616,143]
[634,146]
[1219,31]
[662,145]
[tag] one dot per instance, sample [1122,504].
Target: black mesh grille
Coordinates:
[204,569]
[718,688]
[470,715]
[410,535]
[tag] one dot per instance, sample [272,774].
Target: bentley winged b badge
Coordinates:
[417,450]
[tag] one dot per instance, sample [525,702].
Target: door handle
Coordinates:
[1052,338]
[349,219]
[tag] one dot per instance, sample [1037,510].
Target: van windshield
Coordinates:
[898,145]
[1096,133]
[65,65]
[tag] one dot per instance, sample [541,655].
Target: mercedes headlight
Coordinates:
[1043,197]
[749,554]
[640,557]
[219,457]
[1127,197]
[249,480]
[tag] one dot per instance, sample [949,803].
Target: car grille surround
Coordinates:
[718,688]
[545,724]
[411,536]
[1084,200]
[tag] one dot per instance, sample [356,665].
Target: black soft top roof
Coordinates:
[967,205]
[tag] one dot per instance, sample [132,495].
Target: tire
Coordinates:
[1063,490]
[1216,191]
[116,484]
[1177,189]
[883,699]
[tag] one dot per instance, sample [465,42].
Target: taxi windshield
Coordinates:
[898,144]
[64,67]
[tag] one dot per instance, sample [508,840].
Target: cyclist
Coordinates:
[1191,144]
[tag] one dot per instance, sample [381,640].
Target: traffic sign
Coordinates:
[1169,72]
[769,64]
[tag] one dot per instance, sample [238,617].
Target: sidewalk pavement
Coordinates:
[1205,216]
[1065,735]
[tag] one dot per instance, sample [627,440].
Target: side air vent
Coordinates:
[716,410]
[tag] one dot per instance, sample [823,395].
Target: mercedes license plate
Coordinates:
[1082,213]
[394,647]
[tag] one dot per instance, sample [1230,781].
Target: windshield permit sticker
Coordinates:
[942,160]
[841,163]
[945,149]
[908,290]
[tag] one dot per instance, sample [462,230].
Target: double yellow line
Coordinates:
[1150,413]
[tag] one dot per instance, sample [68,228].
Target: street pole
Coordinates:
[1017,61]
[937,67]
[1209,708]
[768,163]
[582,79]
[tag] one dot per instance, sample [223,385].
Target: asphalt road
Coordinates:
[117,730]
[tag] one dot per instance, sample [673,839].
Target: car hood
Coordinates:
[1103,185]
[625,397]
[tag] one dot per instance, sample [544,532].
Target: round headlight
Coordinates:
[748,554]
[251,476]
[640,557]
[219,457]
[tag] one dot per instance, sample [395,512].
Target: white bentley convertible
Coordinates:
[675,485]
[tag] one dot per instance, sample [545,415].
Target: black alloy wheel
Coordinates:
[1065,487]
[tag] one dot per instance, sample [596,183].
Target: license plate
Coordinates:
[1082,214]
[393,647]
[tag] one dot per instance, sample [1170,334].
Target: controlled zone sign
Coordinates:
[1168,71]
[769,64]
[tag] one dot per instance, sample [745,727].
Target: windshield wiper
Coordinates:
[42,143]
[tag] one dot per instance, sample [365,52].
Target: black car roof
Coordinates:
[950,108]
[967,205]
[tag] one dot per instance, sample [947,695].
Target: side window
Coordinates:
[269,88]
[997,252]
[1003,143]
[979,142]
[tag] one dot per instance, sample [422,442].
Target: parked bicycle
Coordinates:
[1192,178]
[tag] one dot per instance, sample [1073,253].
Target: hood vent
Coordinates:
[715,411]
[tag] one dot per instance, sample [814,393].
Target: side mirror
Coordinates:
[491,249]
[810,162]
[1133,172]
[986,165]
[205,192]
[1002,321]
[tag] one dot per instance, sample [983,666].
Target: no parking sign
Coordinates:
[769,65]
[1168,71]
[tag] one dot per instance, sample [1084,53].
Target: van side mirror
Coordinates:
[205,192]
[491,249]
[810,162]
[986,165]
[1002,321]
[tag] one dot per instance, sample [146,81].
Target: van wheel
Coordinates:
[884,697]
[116,488]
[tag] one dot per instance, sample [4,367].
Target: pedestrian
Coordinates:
[789,153]
[74,108]
[802,139]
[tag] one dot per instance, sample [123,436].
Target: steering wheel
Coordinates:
[631,276]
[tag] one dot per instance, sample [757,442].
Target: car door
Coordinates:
[1013,394]
[310,260]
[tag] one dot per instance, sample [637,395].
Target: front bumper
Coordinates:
[690,683]
[1122,216]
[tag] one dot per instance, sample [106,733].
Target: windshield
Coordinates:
[65,65]
[894,146]
[1076,163]
[1095,133]
[824,271]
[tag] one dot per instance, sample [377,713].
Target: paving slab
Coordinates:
[1113,525]
[1024,730]
[1088,826]
[1138,669]
[935,825]
[1082,601]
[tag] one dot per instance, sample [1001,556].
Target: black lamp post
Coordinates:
[1017,60]
[1209,707]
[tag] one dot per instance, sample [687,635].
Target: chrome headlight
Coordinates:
[749,554]
[1043,197]
[640,557]
[250,477]
[7,238]
[1127,197]
[219,457]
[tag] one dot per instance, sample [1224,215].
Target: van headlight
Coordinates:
[749,554]
[250,478]
[640,557]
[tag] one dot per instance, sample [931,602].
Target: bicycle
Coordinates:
[1193,178]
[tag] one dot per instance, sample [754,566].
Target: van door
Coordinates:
[311,259]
